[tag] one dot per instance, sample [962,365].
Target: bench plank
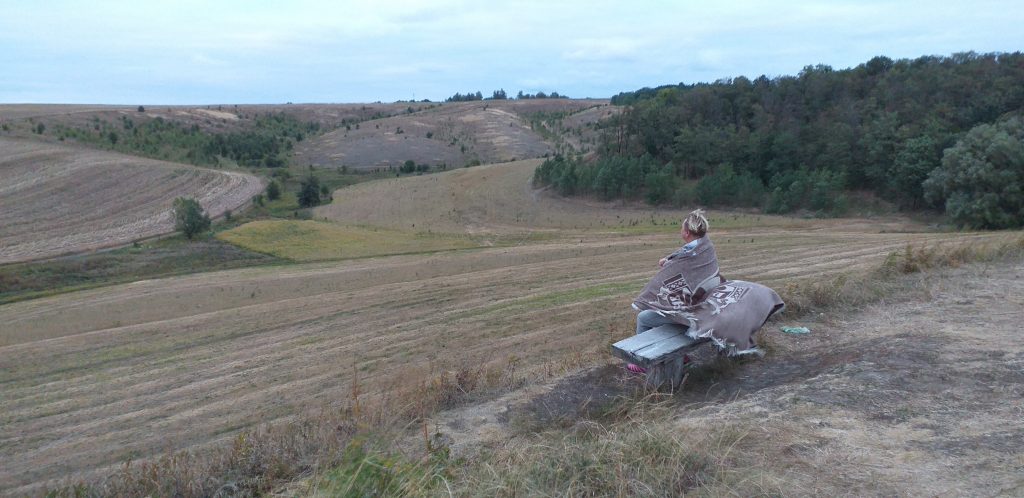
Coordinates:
[664,347]
[656,345]
[640,341]
[661,351]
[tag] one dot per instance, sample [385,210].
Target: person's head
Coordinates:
[695,226]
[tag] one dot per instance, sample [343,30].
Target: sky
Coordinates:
[257,51]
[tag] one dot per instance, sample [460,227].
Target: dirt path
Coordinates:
[919,398]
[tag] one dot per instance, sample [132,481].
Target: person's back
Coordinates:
[689,294]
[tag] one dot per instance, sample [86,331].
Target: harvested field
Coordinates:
[91,378]
[56,199]
[453,134]
[304,240]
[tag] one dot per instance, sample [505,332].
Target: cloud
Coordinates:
[604,49]
[251,50]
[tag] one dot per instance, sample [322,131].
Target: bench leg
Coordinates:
[670,372]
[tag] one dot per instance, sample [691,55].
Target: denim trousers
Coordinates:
[649,319]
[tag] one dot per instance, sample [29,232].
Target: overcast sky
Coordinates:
[225,51]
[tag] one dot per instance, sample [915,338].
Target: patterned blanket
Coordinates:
[690,290]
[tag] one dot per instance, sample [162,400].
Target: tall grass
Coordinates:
[847,291]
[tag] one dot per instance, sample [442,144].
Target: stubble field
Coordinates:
[57,199]
[91,378]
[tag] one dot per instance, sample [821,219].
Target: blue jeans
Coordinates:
[649,319]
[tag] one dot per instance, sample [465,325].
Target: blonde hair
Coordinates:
[696,223]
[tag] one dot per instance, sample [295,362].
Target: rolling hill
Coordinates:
[57,199]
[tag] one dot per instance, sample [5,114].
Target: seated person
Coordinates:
[690,295]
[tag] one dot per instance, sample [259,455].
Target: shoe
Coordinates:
[637,369]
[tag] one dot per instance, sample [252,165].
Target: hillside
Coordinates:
[496,199]
[56,199]
[211,118]
[937,133]
[451,134]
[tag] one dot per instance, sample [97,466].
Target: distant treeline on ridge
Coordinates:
[501,95]
[933,132]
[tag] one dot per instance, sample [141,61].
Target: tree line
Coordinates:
[501,95]
[902,129]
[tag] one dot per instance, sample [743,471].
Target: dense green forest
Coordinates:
[266,142]
[929,133]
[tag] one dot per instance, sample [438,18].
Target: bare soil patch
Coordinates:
[57,199]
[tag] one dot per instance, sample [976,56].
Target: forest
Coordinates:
[932,133]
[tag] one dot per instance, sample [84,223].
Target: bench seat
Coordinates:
[661,351]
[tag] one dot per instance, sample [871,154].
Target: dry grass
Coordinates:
[498,200]
[645,454]
[348,448]
[848,291]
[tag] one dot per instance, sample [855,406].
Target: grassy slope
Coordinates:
[453,134]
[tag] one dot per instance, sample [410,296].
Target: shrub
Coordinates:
[189,217]
[273,191]
[981,179]
[309,192]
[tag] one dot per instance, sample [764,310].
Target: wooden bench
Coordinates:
[661,351]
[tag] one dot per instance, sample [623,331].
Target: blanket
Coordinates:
[690,290]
